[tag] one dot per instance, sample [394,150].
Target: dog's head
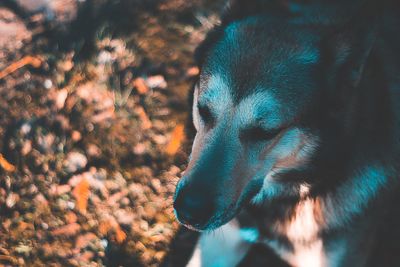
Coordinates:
[258,110]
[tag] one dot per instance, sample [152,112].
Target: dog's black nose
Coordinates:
[193,208]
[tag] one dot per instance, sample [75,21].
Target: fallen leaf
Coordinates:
[23,226]
[104,227]
[81,194]
[113,199]
[140,86]
[84,240]
[57,190]
[23,249]
[124,217]
[120,235]
[177,137]
[27,60]
[26,147]
[193,71]
[86,256]
[146,123]
[67,230]
[76,136]
[8,258]
[75,161]
[61,96]
[156,81]
[12,199]
[71,217]
[7,166]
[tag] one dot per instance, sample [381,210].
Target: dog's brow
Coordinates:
[215,92]
[260,108]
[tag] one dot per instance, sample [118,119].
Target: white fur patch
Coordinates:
[311,216]
[308,256]
[302,232]
[195,112]
[304,226]
[224,247]
[217,95]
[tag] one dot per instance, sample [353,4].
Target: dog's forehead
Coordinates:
[254,56]
[252,109]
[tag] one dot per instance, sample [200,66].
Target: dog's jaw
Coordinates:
[215,222]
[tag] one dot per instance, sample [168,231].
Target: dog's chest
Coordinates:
[298,240]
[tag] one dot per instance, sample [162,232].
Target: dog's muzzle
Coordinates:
[193,207]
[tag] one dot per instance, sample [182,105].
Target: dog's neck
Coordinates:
[325,230]
[297,239]
[302,241]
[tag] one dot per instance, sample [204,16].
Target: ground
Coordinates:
[94,127]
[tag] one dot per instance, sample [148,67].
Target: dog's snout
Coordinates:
[193,208]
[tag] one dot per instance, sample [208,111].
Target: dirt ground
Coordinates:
[93,127]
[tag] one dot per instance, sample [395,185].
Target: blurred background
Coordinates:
[93,111]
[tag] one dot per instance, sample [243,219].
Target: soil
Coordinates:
[93,104]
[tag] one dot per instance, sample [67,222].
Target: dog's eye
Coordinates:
[205,113]
[258,134]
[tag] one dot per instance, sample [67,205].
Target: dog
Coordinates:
[297,118]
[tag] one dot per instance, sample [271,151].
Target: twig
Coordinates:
[8,258]
[27,60]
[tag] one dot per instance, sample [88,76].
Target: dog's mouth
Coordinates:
[215,221]
[201,211]
[214,218]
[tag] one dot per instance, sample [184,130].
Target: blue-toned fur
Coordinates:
[299,101]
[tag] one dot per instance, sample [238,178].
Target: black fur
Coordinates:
[349,98]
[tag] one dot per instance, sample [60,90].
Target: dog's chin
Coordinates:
[216,221]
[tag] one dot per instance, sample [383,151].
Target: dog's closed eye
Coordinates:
[258,134]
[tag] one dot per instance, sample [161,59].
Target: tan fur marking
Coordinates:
[302,230]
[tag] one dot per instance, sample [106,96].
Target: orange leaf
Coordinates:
[104,227]
[140,86]
[193,71]
[71,217]
[7,166]
[81,194]
[176,140]
[146,123]
[67,230]
[27,60]
[120,235]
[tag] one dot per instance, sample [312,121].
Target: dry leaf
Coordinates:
[24,226]
[176,140]
[120,235]
[84,240]
[58,190]
[193,71]
[81,194]
[27,60]
[12,199]
[146,123]
[61,96]
[71,217]
[9,259]
[140,86]
[67,230]
[104,227]
[156,81]
[7,166]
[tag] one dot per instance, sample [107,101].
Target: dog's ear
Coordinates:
[347,55]
[235,10]
[349,47]
[351,50]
